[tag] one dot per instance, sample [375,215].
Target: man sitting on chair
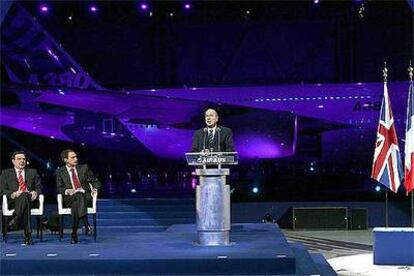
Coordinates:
[22,186]
[72,181]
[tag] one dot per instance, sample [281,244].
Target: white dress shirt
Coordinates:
[69,169]
[18,173]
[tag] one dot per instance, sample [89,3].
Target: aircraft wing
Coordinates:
[39,123]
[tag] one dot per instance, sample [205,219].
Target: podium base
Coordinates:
[210,238]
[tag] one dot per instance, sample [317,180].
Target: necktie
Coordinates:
[75,179]
[210,136]
[22,185]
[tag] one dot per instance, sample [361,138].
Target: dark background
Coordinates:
[220,44]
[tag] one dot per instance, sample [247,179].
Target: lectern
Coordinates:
[212,196]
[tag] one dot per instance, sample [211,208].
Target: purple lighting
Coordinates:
[44,8]
[316,1]
[144,7]
[93,8]
[187,6]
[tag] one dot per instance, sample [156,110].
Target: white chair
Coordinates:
[67,211]
[38,212]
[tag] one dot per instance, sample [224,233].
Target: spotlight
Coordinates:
[144,7]
[70,18]
[93,8]
[316,1]
[255,190]
[187,6]
[171,14]
[377,188]
[43,8]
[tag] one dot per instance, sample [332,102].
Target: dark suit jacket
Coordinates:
[9,183]
[85,176]
[226,140]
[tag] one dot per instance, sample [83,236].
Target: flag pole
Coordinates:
[410,75]
[412,209]
[386,207]
[385,74]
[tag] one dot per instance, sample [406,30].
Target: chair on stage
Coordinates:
[38,212]
[67,211]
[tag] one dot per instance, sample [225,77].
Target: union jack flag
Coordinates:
[409,143]
[387,166]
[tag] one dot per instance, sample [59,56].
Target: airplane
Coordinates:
[49,94]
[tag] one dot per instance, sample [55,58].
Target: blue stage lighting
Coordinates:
[377,188]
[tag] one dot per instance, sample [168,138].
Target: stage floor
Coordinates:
[348,252]
[257,249]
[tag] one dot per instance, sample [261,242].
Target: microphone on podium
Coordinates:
[204,138]
[218,138]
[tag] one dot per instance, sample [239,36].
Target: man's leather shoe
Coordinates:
[74,239]
[28,239]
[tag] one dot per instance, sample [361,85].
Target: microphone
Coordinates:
[218,129]
[204,138]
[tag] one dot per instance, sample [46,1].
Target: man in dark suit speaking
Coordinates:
[72,181]
[212,138]
[22,186]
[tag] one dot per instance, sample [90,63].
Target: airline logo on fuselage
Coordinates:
[63,79]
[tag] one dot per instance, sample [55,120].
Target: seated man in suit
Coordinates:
[72,181]
[22,186]
[213,137]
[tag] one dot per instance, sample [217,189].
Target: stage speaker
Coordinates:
[328,218]
[359,219]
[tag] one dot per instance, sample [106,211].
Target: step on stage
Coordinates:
[256,249]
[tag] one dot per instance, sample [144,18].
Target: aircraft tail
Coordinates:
[30,55]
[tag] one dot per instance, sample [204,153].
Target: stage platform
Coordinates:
[257,249]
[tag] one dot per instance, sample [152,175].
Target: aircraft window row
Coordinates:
[368,121]
[243,100]
[310,98]
[142,126]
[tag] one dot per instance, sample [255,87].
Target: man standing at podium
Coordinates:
[212,138]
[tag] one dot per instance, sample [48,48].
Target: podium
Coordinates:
[212,196]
